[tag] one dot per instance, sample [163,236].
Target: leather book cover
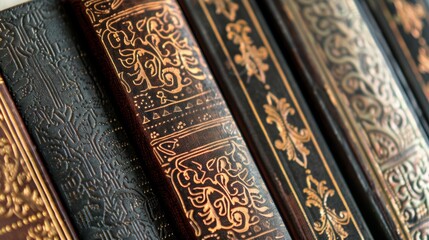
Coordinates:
[69,116]
[179,120]
[355,88]
[29,206]
[300,171]
[405,25]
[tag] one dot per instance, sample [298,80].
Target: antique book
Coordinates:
[405,24]
[299,169]
[356,91]
[29,206]
[179,120]
[71,120]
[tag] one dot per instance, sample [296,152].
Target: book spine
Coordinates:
[276,122]
[179,120]
[29,206]
[405,25]
[70,118]
[358,92]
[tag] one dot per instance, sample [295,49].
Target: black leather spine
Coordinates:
[71,120]
[359,93]
[274,118]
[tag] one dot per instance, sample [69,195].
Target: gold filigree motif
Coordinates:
[43,231]
[370,101]
[252,58]
[330,223]
[226,7]
[222,194]
[19,197]
[154,52]
[292,139]
[192,134]
[423,59]
[418,16]
[410,16]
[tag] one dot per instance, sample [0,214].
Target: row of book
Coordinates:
[214,119]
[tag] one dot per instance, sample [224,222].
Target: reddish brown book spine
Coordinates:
[179,120]
[29,206]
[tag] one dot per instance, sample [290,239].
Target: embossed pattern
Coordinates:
[84,146]
[182,116]
[369,100]
[28,207]
[405,24]
[314,201]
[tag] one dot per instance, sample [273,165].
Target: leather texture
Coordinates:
[179,120]
[356,88]
[405,26]
[299,169]
[71,120]
[29,206]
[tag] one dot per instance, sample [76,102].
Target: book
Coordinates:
[276,123]
[179,120]
[29,205]
[356,90]
[71,120]
[405,27]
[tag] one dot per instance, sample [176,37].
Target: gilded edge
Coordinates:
[411,17]
[25,200]
[291,140]
[372,105]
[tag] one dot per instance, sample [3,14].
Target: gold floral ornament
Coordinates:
[251,57]
[330,222]
[16,197]
[292,139]
[410,16]
[226,7]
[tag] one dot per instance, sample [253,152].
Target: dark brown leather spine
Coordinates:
[275,119]
[356,87]
[29,206]
[179,120]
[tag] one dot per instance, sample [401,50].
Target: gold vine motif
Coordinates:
[330,222]
[159,58]
[373,104]
[411,16]
[292,139]
[226,7]
[252,58]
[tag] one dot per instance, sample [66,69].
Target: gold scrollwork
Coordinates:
[292,139]
[410,16]
[330,223]
[226,7]
[252,58]
[19,199]
[161,58]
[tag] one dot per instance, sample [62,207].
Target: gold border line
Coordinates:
[401,42]
[297,106]
[210,19]
[36,175]
[274,59]
[412,121]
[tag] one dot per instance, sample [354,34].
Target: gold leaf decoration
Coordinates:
[252,58]
[410,16]
[226,7]
[330,223]
[291,138]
